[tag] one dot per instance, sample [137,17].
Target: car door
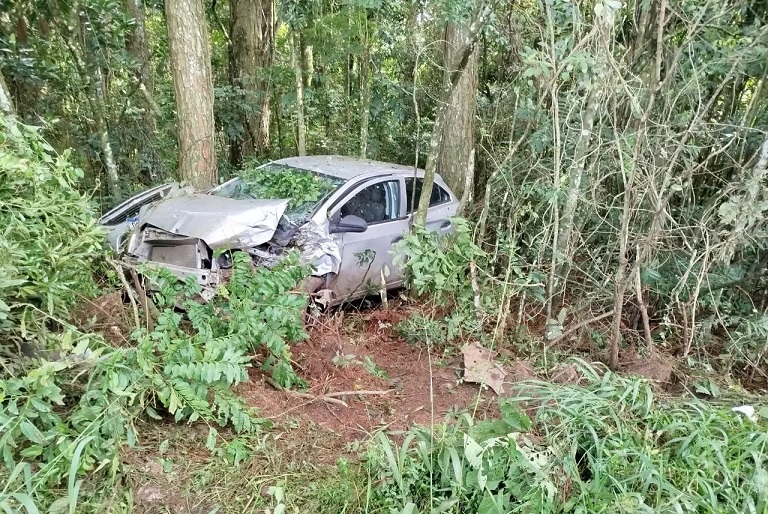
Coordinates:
[365,254]
[442,204]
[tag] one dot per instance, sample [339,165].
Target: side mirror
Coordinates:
[348,224]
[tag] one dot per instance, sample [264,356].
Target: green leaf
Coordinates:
[32,433]
[27,502]
[73,488]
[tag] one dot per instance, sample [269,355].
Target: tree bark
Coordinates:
[365,97]
[458,138]
[296,62]
[462,56]
[113,177]
[252,35]
[191,69]
[567,219]
[6,104]
[139,51]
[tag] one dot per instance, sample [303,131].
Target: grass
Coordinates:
[610,445]
[295,458]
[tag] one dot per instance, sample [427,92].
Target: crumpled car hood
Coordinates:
[218,221]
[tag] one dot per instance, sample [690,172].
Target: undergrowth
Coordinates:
[71,407]
[611,446]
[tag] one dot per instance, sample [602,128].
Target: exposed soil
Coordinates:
[108,315]
[419,388]
[654,367]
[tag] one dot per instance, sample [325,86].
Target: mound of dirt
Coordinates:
[384,382]
[654,367]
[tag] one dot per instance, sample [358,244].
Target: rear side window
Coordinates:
[376,203]
[439,195]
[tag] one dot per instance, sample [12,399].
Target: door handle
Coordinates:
[397,239]
[445,224]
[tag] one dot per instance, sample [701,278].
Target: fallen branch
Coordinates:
[324,398]
[119,269]
[145,303]
[573,329]
[362,392]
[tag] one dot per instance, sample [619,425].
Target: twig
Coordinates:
[573,329]
[144,300]
[353,393]
[134,306]
[643,312]
[312,397]
[475,289]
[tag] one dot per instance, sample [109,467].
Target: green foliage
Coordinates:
[424,330]
[607,446]
[440,265]
[300,186]
[63,422]
[48,234]
[66,414]
[257,309]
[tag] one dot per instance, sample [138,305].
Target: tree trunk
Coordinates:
[137,47]
[113,177]
[567,219]
[463,54]
[138,50]
[458,139]
[191,68]
[296,60]
[6,104]
[365,97]
[252,35]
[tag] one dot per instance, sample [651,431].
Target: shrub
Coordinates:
[48,234]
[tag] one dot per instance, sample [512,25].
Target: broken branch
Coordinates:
[573,329]
[325,398]
[119,269]
[353,393]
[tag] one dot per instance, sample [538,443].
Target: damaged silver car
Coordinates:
[343,214]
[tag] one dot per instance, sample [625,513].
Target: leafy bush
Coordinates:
[190,363]
[441,265]
[48,234]
[64,421]
[608,446]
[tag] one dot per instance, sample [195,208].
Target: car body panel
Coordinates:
[120,219]
[368,257]
[184,231]
[219,221]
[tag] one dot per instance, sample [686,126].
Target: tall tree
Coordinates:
[191,69]
[298,71]
[462,53]
[6,104]
[138,49]
[251,31]
[454,158]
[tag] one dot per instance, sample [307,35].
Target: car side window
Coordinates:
[376,203]
[438,196]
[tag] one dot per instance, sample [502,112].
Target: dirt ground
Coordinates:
[387,384]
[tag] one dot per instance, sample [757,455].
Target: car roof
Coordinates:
[347,168]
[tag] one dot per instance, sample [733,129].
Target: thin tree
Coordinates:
[138,49]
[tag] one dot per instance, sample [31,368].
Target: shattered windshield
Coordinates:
[304,188]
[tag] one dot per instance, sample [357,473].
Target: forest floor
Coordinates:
[377,382]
